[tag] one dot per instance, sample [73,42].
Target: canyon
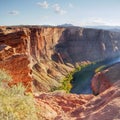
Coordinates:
[41,56]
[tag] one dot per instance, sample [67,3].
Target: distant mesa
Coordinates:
[66,25]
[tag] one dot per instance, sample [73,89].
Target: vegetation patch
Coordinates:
[66,81]
[14,103]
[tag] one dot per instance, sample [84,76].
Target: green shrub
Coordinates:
[14,104]
[65,82]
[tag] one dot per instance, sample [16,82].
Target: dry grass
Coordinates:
[14,103]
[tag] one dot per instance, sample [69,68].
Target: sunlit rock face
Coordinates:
[100,83]
[62,106]
[52,52]
[14,55]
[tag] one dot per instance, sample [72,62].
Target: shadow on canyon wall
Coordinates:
[78,44]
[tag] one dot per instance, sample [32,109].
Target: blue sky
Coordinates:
[56,12]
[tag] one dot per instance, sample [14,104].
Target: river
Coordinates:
[81,83]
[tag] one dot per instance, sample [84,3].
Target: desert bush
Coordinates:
[66,81]
[14,103]
[4,76]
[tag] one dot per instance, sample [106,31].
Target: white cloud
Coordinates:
[14,12]
[92,21]
[58,9]
[70,5]
[43,4]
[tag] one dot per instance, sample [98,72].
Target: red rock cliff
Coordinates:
[14,55]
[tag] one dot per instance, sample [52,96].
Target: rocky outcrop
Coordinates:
[52,52]
[103,80]
[17,67]
[58,105]
[100,83]
[62,106]
[106,106]
[14,55]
